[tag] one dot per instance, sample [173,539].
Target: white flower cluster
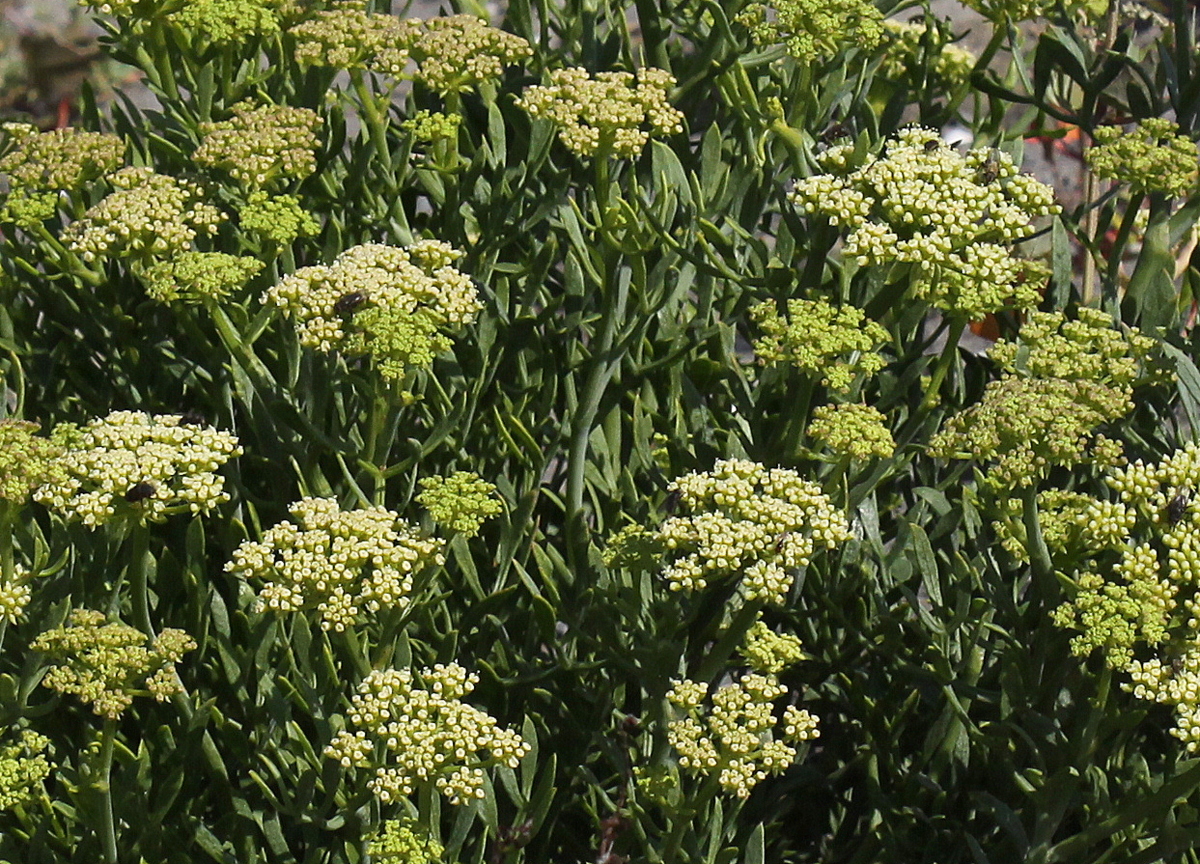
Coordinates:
[744,518]
[137,466]
[734,737]
[338,562]
[415,730]
[149,215]
[951,216]
[396,304]
[606,112]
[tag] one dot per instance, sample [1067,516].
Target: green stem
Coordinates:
[139,559]
[108,831]
[684,818]
[1040,564]
[604,365]
[932,397]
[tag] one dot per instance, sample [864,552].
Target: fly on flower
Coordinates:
[1177,507]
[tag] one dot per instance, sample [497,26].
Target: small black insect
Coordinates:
[348,302]
[672,502]
[834,132]
[781,541]
[140,492]
[192,418]
[1178,505]
[930,146]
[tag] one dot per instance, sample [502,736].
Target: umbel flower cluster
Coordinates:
[396,304]
[832,343]
[336,562]
[610,113]
[854,430]
[60,159]
[261,146]
[745,520]
[107,664]
[39,167]
[15,594]
[148,216]
[1062,381]
[226,22]
[349,37]
[461,502]
[414,730]
[1152,157]
[459,52]
[814,29]
[734,735]
[951,218]
[1138,569]
[199,277]
[398,843]
[23,767]
[27,461]
[131,465]
[277,218]
[906,43]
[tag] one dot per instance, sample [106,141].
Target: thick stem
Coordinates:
[108,830]
[932,397]
[139,560]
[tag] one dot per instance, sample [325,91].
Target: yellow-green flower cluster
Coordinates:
[836,343]
[1062,515]
[458,52]
[414,730]
[431,126]
[15,595]
[28,210]
[337,562]
[199,277]
[461,502]
[1026,426]
[769,652]
[610,113]
[814,29]
[149,215]
[261,146]
[397,305]
[349,37]
[952,218]
[745,520]
[107,664]
[1136,597]
[400,844]
[57,160]
[23,767]
[278,218]
[1152,157]
[1063,380]
[1088,348]
[906,45]
[736,737]
[131,465]
[27,461]
[225,22]
[854,430]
